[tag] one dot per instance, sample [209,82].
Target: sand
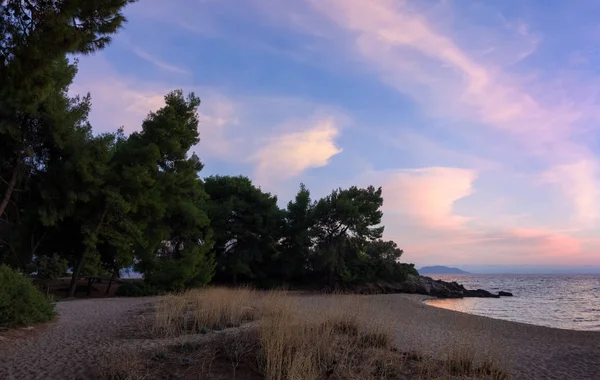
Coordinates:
[527,351]
[68,348]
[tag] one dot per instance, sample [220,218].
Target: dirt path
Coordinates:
[67,348]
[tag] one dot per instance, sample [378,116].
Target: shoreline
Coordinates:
[526,351]
[426,302]
[529,351]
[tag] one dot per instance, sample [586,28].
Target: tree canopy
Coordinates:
[96,204]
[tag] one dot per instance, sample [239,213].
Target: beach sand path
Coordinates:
[68,347]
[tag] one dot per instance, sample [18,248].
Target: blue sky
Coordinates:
[478,118]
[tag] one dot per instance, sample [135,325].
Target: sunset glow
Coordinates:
[479,119]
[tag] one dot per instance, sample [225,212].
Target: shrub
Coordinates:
[48,268]
[21,303]
[136,289]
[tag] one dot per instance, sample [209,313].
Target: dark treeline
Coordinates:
[101,203]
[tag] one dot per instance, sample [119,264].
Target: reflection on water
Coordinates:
[563,301]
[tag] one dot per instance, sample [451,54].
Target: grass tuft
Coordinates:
[198,311]
[122,365]
[339,339]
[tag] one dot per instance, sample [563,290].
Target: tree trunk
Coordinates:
[89,287]
[77,271]
[112,278]
[11,186]
[75,276]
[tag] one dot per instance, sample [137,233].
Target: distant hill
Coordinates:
[440,269]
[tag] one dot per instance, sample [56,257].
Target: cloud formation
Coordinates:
[116,101]
[484,140]
[158,62]
[428,195]
[229,129]
[415,57]
[289,155]
[580,182]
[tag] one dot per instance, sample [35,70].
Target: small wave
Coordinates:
[546,301]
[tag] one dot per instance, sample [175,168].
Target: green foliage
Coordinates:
[49,268]
[295,248]
[137,289]
[246,224]
[20,302]
[345,222]
[34,34]
[55,169]
[333,242]
[110,201]
[178,250]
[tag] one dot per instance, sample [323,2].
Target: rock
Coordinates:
[505,294]
[426,286]
[413,284]
[441,289]
[480,293]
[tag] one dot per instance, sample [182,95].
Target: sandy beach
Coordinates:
[70,347]
[528,352]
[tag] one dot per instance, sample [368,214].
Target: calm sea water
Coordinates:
[563,301]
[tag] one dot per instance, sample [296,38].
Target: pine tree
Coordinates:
[178,250]
[246,224]
[35,38]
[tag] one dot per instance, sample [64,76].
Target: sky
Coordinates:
[479,119]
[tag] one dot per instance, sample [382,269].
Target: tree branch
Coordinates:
[11,187]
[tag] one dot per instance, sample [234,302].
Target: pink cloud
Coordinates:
[428,195]
[415,57]
[580,182]
[287,155]
[550,243]
[116,101]
[502,246]
[420,214]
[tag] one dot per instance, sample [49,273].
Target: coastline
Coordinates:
[530,351]
[525,351]
[426,299]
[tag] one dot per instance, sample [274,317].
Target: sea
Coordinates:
[561,301]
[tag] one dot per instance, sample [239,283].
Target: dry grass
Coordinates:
[339,339]
[206,309]
[121,365]
[318,344]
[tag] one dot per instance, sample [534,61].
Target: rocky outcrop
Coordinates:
[505,294]
[427,286]
[438,288]
[480,293]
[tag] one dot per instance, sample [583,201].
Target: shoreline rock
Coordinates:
[427,286]
[442,289]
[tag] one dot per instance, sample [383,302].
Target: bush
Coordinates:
[21,303]
[136,289]
[194,269]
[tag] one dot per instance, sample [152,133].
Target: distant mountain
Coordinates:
[440,269]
